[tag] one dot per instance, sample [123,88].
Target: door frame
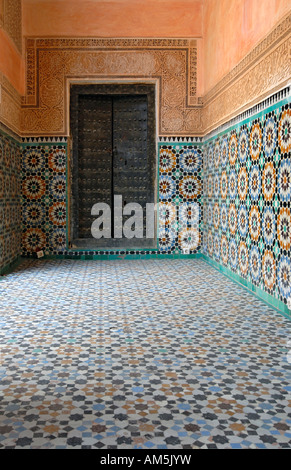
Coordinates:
[76,87]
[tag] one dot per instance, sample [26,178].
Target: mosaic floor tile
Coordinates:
[143,354]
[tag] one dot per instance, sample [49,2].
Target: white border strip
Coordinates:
[269,101]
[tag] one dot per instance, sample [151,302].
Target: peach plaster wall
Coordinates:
[232,28]
[11,63]
[119,18]
[226,29]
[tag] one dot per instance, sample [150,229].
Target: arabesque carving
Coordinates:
[10,106]
[265,70]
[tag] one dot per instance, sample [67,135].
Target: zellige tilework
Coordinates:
[140,354]
[44,196]
[10,200]
[247,193]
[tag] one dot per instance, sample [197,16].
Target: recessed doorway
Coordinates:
[113,160]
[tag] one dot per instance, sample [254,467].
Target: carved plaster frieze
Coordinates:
[265,70]
[52,63]
[10,105]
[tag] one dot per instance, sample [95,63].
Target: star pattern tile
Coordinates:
[139,354]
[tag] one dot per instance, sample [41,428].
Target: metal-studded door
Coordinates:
[113,155]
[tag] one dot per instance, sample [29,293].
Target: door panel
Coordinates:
[94,157]
[113,134]
[130,163]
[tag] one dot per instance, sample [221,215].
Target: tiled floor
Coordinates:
[149,354]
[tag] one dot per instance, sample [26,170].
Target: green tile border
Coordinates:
[126,256]
[9,134]
[8,268]
[268,299]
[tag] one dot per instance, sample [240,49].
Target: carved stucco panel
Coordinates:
[1,13]
[10,105]
[42,121]
[45,110]
[10,112]
[271,71]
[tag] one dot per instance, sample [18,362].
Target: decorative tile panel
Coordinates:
[10,201]
[44,185]
[247,182]
[143,354]
[44,197]
[180,196]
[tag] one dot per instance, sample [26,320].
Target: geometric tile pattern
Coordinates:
[44,186]
[247,196]
[10,201]
[140,354]
[180,198]
[44,198]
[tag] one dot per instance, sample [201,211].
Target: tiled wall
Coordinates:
[44,187]
[180,198]
[247,192]
[44,198]
[10,200]
[242,212]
